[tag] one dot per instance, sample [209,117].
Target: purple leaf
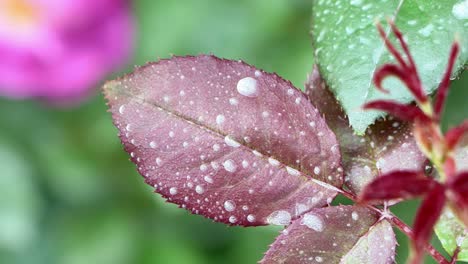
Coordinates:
[225,140]
[339,234]
[388,145]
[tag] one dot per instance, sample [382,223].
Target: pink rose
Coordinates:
[59,50]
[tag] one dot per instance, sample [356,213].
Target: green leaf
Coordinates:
[348,48]
[451,234]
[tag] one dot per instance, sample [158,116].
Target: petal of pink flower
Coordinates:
[76,43]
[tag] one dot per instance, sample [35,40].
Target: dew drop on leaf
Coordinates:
[247,87]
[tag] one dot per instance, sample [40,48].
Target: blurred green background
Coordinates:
[68,193]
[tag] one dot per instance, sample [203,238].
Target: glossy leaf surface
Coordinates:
[225,140]
[349,50]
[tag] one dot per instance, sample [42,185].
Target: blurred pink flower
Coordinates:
[60,49]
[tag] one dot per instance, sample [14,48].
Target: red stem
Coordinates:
[455,255]
[405,229]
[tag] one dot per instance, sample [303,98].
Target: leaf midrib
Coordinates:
[192,121]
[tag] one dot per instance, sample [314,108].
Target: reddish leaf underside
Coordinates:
[339,234]
[388,145]
[225,140]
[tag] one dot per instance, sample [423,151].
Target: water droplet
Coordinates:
[208,179]
[247,87]
[317,170]
[427,30]
[292,171]
[173,190]
[313,222]
[356,2]
[203,167]
[319,259]
[256,153]
[273,162]
[229,205]
[250,218]
[231,142]
[152,144]
[158,161]
[171,134]
[199,189]
[121,109]
[216,147]
[245,164]
[355,216]
[258,73]
[220,119]
[232,219]
[233,101]
[279,218]
[460,10]
[229,165]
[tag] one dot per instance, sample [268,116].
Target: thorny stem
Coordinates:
[397,222]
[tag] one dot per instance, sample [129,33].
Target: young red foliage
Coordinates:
[397,184]
[426,218]
[451,187]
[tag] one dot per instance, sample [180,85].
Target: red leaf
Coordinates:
[426,217]
[225,140]
[386,146]
[458,188]
[390,45]
[397,184]
[406,72]
[442,90]
[388,70]
[453,136]
[339,234]
[402,111]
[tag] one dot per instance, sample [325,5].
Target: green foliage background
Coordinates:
[68,193]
